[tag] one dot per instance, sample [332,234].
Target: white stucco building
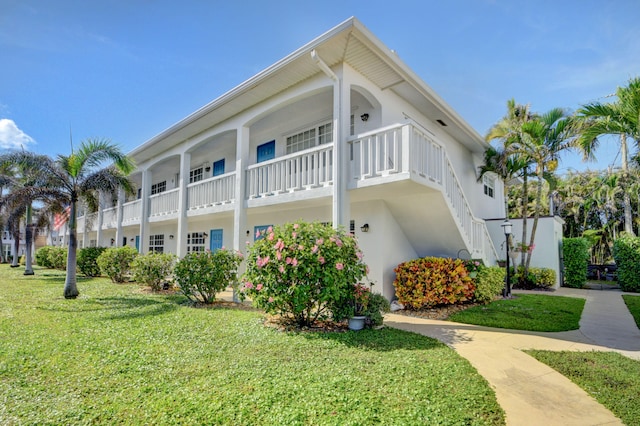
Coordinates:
[339,131]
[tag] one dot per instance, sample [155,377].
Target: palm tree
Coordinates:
[621,118]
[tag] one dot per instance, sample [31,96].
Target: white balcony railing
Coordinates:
[404,148]
[131,212]
[311,168]
[214,191]
[110,218]
[164,203]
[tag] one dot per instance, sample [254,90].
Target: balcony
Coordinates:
[164,204]
[131,212]
[304,170]
[209,194]
[110,218]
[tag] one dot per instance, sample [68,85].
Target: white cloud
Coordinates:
[12,137]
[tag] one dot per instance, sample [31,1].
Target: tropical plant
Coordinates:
[115,262]
[626,252]
[88,261]
[201,275]
[153,269]
[489,284]
[621,118]
[575,254]
[303,271]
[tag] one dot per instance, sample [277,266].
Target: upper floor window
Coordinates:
[489,185]
[195,241]
[309,138]
[196,175]
[159,187]
[156,243]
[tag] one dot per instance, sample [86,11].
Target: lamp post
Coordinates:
[506,227]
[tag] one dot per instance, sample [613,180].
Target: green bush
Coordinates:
[304,271]
[153,269]
[489,283]
[115,262]
[87,261]
[57,257]
[537,278]
[432,281]
[575,252]
[377,306]
[42,257]
[626,253]
[201,275]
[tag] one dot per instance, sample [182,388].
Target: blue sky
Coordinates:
[126,70]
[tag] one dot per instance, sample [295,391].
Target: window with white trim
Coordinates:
[159,187]
[195,242]
[156,243]
[311,137]
[489,184]
[196,175]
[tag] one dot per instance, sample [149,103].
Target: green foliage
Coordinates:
[57,258]
[115,262]
[575,253]
[611,378]
[633,304]
[489,283]
[201,275]
[626,252]
[22,260]
[42,257]
[87,261]
[303,271]
[153,269]
[432,281]
[150,359]
[533,312]
[378,305]
[536,278]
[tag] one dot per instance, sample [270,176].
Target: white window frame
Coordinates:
[196,175]
[159,187]
[489,185]
[313,136]
[196,242]
[156,243]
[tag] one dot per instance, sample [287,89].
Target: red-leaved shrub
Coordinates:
[432,281]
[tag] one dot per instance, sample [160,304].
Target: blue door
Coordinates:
[260,231]
[218,167]
[215,240]
[266,151]
[138,243]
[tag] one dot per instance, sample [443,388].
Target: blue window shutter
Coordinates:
[218,167]
[266,151]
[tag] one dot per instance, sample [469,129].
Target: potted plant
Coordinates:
[361,298]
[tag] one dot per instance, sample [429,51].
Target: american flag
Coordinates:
[61,218]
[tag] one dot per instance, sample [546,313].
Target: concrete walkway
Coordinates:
[531,393]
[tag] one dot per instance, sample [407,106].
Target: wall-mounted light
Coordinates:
[204,235]
[112,241]
[248,232]
[365,227]
[171,237]
[207,169]
[132,240]
[364,117]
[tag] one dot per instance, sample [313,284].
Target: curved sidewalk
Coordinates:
[531,393]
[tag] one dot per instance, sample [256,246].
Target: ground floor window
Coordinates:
[156,243]
[195,242]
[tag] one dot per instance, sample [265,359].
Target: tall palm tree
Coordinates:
[621,118]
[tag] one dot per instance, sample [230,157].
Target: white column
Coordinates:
[185,167]
[119,209]
[240,209]
[101,204]
[85,230]
[147,175]
[341,119]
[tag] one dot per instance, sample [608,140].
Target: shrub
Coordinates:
[304,271]
[575,252]
[153,269]
[432,281]
[87,261]
[626,253]
[489,283]
[201,275]
[115,262]
[377,306]
[537,278]
[57,257]
[42,257]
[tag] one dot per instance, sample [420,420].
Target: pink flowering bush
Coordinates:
[303,271]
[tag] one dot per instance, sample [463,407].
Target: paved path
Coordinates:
[530,392]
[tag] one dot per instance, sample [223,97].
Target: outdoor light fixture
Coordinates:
[207,169]
[365,227]
[171,237]
[364,117]
[507,227]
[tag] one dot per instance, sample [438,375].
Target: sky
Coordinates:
[128,69]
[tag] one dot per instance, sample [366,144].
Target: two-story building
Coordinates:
[339,131]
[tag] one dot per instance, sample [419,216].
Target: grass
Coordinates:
[633,304]
[611,378]
[530,312]
[118,356]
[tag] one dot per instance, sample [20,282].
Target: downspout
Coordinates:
[323,66]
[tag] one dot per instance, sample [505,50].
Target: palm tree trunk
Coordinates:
[70,284]
[525,209]
[626,199]
[28,240]
[16,247]
[536,216]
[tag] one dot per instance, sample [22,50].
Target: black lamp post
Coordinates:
[506,227]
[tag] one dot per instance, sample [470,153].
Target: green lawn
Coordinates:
[533,312]
[633,304]
[612,379]
[118,356]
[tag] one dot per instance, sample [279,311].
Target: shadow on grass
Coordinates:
[383,340]
[118,307]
